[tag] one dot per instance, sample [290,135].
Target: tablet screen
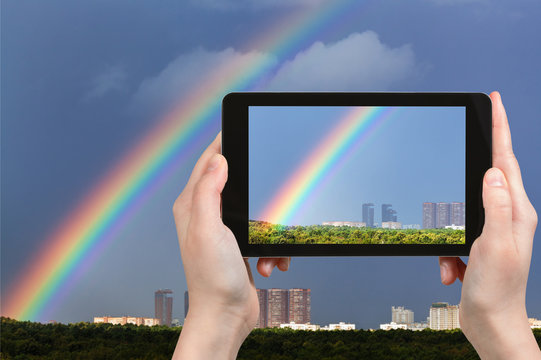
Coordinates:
[356,174]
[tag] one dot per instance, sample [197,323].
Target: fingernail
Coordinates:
[443,272]
[270,267]
[495,178]
[214,162]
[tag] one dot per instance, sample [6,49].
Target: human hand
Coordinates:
[493,303]
[223,299]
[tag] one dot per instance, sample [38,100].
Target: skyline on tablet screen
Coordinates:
[316,165]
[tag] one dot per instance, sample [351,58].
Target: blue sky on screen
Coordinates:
[414,155]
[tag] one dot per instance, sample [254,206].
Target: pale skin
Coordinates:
[223,300]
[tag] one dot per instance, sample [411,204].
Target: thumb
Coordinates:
[207,192]
[498,206]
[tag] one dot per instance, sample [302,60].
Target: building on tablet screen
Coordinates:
[394,225]
[458,212]
[368,214]
[444,215]
[387,213]
[344,223]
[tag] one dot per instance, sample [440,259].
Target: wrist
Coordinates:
[502,336]
[211,334]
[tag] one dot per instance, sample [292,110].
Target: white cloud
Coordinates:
[185,73]
[112,79]
[255,4]
[358,62]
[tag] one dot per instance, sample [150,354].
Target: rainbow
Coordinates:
[349,133]
[85,231]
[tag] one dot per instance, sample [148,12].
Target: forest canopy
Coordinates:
[30,340]
[261,232]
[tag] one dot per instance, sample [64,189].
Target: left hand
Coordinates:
[223,302]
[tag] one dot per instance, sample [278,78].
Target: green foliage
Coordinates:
[261,232]
[28,340]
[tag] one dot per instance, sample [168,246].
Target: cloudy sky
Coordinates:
[83,82]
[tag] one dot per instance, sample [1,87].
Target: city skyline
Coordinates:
[433,216]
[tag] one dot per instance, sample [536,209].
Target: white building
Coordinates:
[340,326]
[391,225]
[392,326]
[400,315]
[313,327]
[344,223]
[534,323]
[412,226]
[123,320]
[293,326]
[443,316]
[456,227]
[418,326]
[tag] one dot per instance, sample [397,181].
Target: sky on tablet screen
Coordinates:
[404,156]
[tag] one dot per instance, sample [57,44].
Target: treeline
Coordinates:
[28,340]
[261,232]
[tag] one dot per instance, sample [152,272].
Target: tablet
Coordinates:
[355,174]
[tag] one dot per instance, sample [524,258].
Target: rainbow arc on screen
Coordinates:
[107,206]
[351,131]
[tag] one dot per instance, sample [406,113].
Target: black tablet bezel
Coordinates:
[235,149]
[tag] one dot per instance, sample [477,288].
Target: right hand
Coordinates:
[493,303]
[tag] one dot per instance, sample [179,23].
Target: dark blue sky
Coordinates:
[82,82]
[410,156]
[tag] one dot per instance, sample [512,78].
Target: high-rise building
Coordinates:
[186,303]
[263,308]
[443,215]
[439,215]
[277,307]
[429,215]
[163,306]
[401,315]
[299,306]
[443,316]
[281,306]
[387,213]
[458,214]
[368,214]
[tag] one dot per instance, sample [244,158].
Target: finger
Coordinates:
[266,265]
[448,269]
[498,208]
[504,159]
[461,266]
[200,167]
[207,195]
[283,264]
